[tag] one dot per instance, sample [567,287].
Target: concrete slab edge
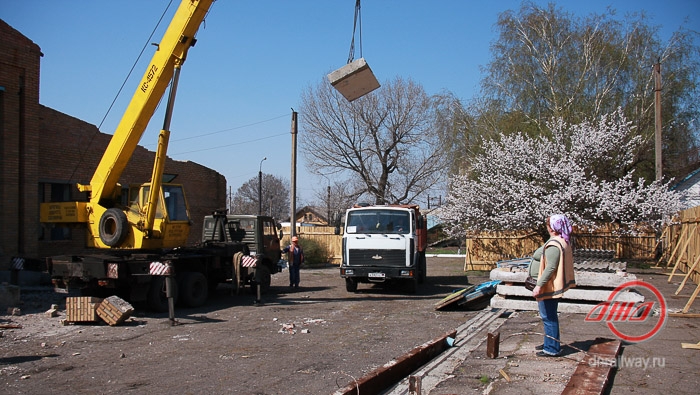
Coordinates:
[470,335]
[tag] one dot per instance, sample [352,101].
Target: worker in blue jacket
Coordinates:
[295,259]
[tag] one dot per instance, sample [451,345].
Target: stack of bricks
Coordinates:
[114,310]
[82,309]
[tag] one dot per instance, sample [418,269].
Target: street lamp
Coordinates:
[328,200]
[260,187]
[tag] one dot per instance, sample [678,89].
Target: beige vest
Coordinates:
[563,278]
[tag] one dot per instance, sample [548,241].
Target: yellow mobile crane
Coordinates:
[132,238]
[157,214]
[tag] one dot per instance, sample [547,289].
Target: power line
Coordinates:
[233,128]
[230,145]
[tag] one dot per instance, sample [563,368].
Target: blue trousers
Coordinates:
[550,319]
[294,275]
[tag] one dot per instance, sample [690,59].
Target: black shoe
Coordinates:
[540,347]
[546,354]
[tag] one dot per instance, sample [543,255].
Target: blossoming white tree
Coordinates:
[518,181]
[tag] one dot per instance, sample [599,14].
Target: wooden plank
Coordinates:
[454,297]
[691,345]
[684,231]
[684,315]
[690,271]
[685,247]
[692,299]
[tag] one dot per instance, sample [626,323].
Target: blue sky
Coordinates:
[253,60]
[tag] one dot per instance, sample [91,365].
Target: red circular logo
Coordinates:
[613,311]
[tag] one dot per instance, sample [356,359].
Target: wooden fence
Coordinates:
[681,251]
[485,249]
[324,235]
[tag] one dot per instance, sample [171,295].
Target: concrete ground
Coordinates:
[655,366]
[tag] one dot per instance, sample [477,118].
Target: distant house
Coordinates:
[690,185]
[310,216]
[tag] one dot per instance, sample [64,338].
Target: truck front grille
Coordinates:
[395,258]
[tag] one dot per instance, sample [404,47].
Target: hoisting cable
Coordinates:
[133,66]
[87,146]
[358,18]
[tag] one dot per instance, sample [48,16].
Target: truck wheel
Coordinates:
[157,297]
[263,277]
[423,275]
[194,289]
[113,227]
[351,284]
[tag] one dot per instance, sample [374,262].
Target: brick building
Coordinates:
[45,153]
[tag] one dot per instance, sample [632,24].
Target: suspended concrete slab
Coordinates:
[354,80]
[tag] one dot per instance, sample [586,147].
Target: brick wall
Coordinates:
[19,133]
[41,145]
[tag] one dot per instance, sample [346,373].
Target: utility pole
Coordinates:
[260,187]
[657,118]
[293,205]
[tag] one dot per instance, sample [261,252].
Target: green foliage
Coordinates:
[314,252]
[550,64]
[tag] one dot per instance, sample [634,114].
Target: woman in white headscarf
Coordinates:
[556,275]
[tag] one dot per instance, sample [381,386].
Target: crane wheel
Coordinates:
[157,298]
[113,227]
[193,289]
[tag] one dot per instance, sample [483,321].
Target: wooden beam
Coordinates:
[678,244]
[692,299]
[684,315]
[690,271]
[691,345]
[685,247]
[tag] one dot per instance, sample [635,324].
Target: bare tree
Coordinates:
[387,143]
[275,197]
[334,198]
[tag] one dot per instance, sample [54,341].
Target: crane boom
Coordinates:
[171,51]
[156,215]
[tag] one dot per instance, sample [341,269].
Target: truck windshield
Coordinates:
[378,221]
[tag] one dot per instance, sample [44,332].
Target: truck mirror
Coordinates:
[336,231]
[281,233]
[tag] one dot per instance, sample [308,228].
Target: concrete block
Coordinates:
[82,309]
[583,279]
[593,295]
[114,310]
[354,80]
[499,302]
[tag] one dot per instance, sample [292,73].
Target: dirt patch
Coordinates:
[313,340]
